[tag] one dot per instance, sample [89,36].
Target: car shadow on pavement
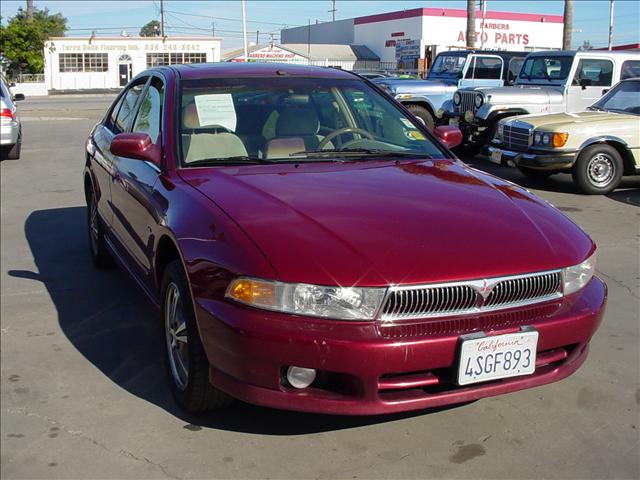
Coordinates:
[628,192]
[107,319]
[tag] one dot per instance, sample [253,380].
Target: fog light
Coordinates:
[468,116]
[299,377]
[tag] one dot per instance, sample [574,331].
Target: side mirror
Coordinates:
[18,97]
[448,135]
[135,145]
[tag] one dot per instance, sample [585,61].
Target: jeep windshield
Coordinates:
[448,66]
[545,70]
[292,119]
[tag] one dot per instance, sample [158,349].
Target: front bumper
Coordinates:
[560,160]
[368,368]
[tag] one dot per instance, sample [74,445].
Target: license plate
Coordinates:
[496,156]
[453,121]
[499,356]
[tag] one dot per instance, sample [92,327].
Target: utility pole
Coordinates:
[611,25]
[29,9]
[471,24]
[568,25]
[244,33]
[161,18]
[213,29]
[257,37]
[483,9]
[333,10]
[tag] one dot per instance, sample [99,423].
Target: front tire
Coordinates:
[423,115]
[97,244]
[598,169]
[185,360]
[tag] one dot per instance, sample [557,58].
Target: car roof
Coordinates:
[588,53]
[196,71]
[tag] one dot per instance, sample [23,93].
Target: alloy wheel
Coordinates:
[176,336]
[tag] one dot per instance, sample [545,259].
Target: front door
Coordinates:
[592,78]
[124,73]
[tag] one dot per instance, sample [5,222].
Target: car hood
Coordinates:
[383,222]
[417,86]
[521,95]
[580,121]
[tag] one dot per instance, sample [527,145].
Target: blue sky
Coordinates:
[196,17]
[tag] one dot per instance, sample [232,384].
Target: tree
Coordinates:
[22,40]
[568,24]
[151,29]
[471,23]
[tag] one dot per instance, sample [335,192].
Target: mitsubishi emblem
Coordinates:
[485,289]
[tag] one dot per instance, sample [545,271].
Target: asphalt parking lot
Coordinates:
[83,390]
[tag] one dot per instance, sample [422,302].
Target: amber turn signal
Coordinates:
[559,139]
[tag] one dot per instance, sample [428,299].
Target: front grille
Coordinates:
[468,103]
[516,138]
[518,290]
[472,297]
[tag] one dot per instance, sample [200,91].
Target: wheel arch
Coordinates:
[421,103]
[166,251]
[621,147]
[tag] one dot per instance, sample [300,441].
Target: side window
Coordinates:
[592,72]
[111,120]
[515,64]
[149,115]
[485,68]
[630,69]
[127,109]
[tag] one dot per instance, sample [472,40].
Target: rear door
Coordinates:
[483,71]
[132,190]
[591,79]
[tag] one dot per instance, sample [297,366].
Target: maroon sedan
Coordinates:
[311,246]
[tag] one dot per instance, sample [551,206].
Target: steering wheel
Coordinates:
[341,131]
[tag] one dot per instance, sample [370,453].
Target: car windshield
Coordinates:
[285,119]
[448,65]
[623,98]
[554,69]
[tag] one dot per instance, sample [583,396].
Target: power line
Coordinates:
[228,19]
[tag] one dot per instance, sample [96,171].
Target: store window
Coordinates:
[159,59]
[83,62]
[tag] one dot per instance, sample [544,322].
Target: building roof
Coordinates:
[314,51]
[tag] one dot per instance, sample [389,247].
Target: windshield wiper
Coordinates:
[360,152]
[236,160]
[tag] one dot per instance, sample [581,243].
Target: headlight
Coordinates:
[555,139]
[500,131]
[576,277]
[479,100]
[341,303]
[457,99]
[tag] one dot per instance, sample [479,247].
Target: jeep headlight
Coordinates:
[576,277]
[457,99]
[340,303]
[479,100]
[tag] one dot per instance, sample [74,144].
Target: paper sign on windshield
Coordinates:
[216,109]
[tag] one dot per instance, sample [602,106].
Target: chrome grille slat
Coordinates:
[516,138]
[459,298]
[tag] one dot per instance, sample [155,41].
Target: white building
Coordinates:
[348,57]
[73,63]
[420,33]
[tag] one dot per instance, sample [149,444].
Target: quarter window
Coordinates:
[630,69]
[150,112]
[128,107]
[594,73]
